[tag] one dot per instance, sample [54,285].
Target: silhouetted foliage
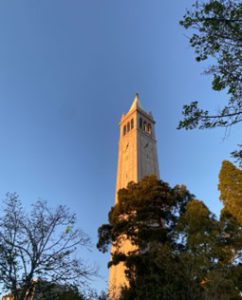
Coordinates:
[51,291]
[216,26]
[180,250]
[103,296]
[43,290]
[40,245]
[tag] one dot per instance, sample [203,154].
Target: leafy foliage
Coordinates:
[47,290]
[38,246]
[216,26]
[230,186]
[180,250]
[43,290]
[237,154]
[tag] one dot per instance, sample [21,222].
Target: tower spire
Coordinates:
[136,102]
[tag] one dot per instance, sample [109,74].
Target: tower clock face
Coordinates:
[147,155]
[126,151]
[127,167]
[145,144]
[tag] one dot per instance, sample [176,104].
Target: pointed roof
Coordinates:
[136,103]
[136,106]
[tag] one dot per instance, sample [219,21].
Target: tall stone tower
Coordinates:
[137,157]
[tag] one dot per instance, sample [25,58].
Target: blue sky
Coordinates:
[68,70]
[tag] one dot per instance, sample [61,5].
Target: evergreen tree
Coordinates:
[181,251]
[230,186]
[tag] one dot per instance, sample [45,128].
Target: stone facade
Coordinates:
[137,158]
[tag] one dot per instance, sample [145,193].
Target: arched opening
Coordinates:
[145,125]
[132,123]
[149,128]
[140,123]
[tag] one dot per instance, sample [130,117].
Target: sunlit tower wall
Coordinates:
[137,158]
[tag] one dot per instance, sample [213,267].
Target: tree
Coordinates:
[211,258]
[216,26]
[51,291]
[103,296]
[146,214]
[39,245]
[230,186]
[182,252]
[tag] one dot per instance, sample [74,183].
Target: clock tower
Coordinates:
[137,158]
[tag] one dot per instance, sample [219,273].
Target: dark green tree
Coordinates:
[40,245]
[51,291]
[211,257]
[146,214]
[180,247]
[197,229]
[72,293]
[216,33]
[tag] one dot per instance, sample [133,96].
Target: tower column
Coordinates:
[137,158]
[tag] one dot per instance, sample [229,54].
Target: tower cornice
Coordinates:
[141,111]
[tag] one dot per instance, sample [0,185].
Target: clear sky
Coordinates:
[68,70]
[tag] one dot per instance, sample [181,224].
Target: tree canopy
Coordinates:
[216,35]
[181,250]
[230,186]
[39,245]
